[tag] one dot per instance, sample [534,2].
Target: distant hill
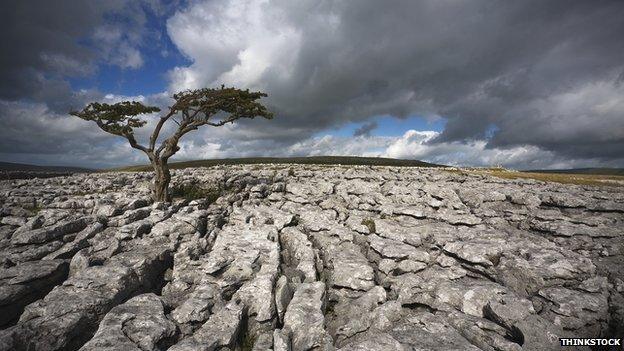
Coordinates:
[318,160]
[596,171]
[20,167]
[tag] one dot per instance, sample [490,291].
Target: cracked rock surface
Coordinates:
[309,258]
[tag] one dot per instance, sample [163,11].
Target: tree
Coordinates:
[191,109]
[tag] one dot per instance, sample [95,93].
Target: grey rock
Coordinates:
[574,309]
[524,198]
[349,257]
[281,342]
[221,330]
[263,342]
[485,334]
[351,269]
[26,283]
[13,220]
[425,331]
[304,319]
[283,295]
[539,334]
[375,342]
[481,252]
[408,266]
[198,305]
[80,242]
[72,310]
[397,250]
[355,316]
[45,234]
[398,231]
[299,252]
[138,324]
[508,310]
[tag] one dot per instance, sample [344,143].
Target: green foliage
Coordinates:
[34,208]
[370,224]
[495,259]
[564,178]
[291,172]
[200,104]
[193,191]
[119,118]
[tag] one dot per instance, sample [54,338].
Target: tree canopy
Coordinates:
[190,110]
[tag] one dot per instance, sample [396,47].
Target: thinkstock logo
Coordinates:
[590,342]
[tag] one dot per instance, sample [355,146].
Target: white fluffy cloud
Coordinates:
[417,145]
[231,42]
[119,47]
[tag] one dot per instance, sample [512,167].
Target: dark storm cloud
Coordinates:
[38,45]
[508,64]
[42,43]
[45,43]
[365,129]
[33,128]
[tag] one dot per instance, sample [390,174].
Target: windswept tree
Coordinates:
[191,110]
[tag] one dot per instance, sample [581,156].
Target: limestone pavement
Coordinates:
[309,258]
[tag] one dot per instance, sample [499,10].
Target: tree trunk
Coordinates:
[162,177]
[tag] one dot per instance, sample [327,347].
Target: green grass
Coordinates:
[563,178]
[194,192]
[316,160]
[588,171]
[34,208]
[370,224]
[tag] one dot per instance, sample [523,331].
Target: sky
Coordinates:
[527,84]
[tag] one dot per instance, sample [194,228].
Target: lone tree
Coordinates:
[192,109]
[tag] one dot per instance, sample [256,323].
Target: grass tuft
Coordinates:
[192,191]
[370,224]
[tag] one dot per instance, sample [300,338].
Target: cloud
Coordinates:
[477,64]
[233,42]
[32,133]
[36,134]
[586,121]
[43,43]
[119,48]
[416,145]
[365,129]
[30,130]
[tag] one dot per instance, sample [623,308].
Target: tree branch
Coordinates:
[159,126]
[136,145]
